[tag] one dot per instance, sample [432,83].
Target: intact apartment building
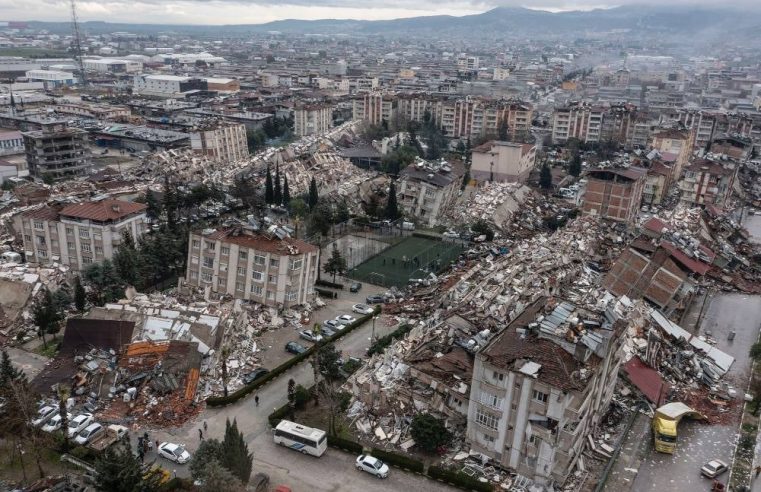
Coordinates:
[614,193]
[541,386]
[502,161]
[373,107]
[427,189]
[80,234]
[708,182]
[57,151]
[220,141]
[257,266]
[581,121]
[312,119]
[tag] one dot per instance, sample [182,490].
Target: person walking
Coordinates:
[205,426]
[200,434]
[256,400]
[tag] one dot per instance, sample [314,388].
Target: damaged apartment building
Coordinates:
[541,386]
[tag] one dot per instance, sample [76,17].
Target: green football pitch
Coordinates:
[413,257]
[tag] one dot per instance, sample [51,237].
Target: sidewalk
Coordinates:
[627,465]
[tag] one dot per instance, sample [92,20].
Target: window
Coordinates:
[41,240]
[271,278]
[206,277]
[98,250]
[42,253]
[257,276]
[259,259]
[211,246]
[86,248]
[535,440]
[499,376]
[194,275]
[194,260]
[241,270]
[256,289]
[491,400]
[208,261]
[486,419]
[97,235]
[297,264]
[290,296]
[270,294]
[84,233]
[225,250]
[38,224]
[539,396]
[221,281]
[196,243]
[69,230]
[70,245]
[86,260]
[242,255]
[274,263]
[27,238]
[488,438]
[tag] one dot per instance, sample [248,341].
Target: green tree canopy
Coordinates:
[429,432]
[335,265]
[392,209]
[545,177]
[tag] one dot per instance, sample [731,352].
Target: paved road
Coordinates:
[699,442]
[28,362]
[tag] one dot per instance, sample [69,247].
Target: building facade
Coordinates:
[425,190]
[373,107]
[11,142]
[614,193]
[247,264]
[708,182]
[502,162]
[674,146]
[577,120]
[81,234]
[223,142]
[57,151]
[312,119]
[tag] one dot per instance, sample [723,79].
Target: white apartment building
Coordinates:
[541,386]
[224,142]
[502,161]
[373,108]
[577,120]
[426,190]
[252,265]
[80,234]
[312,119]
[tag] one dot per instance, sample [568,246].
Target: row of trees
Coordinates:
[274,192]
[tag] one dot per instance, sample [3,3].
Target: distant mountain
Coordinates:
[694,23]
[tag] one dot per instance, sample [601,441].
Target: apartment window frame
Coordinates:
[260,259]
[486,419]
[540,396]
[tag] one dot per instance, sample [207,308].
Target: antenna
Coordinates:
[78,44]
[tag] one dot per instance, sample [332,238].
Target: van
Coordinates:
[407,226]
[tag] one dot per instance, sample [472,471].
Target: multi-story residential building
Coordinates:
[11,142]
[220,141]
[427,189]
[502,161]
[657,183]
[614,193]
[581,121]
[541,386]
[269,268]
[674,146]
[374,107]
[57,151]
[312,119]
[80,234]
[708,182]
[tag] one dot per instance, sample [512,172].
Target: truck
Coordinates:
[665,422]
[113,434]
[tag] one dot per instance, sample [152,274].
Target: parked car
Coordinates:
[714,468]
[332,324]
[451,235]
[374,299]
[88,433]
[355,287]
[362,309]
[372,465]
[346,319]
[295,348]
[53,424]
[78,423]
[326,331]
[174,452]
[44,414]
[254,375]
[310,335]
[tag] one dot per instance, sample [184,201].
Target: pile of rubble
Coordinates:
[497,203]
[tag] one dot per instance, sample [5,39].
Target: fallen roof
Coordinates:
[647,380]
[83,334]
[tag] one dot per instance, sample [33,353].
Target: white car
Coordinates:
[53,424]
[310,335]
[345,319]
[372,465]
[44,414]
[88,433]
[714,468]
[332,324]
[79,423]
[362,309]
[174,452]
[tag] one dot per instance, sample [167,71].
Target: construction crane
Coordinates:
[78,44]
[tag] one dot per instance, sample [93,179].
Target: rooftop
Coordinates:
[260,242]
[103,211]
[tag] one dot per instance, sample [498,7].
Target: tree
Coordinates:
[545,177]
[235,455]
[63,393]
[269,192]
[216,477]
[299,207]
[62,299]
[251,196]
[106,282]
[342,213]
[286,191]
[278,194]
[465,178]
[574,166]
[225,353]
[126,259]
[171,202]
[154,207]
[482,228]
[118,470]
[755,352]
[460,148]
[392,209]
[292,397]
[313,196]
[429,432]
[328,360]
[8,373]
[47,317]
[208,450]
[502,131]
[336,264]
[320,218]
[80,296]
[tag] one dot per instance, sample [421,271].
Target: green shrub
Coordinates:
[278,415]
[398,460]
[301,396]
[83,453]
[326,293]
[382,343]
[458,479]
[329,284]
[345,444]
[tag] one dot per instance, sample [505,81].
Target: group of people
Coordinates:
[144,446]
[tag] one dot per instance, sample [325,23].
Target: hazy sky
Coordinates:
[259,11]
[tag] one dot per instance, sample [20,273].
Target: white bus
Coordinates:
[301,438]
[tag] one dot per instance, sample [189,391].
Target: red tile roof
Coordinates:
[44,213]
[103,210]
[261,242]
[691,264]
[647,380]
[655,224]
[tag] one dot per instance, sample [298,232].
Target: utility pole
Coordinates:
[78,44]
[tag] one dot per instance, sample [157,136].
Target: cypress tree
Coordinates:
[286,191]
[269,194]
[392,209]
[313,197]
[278,195]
